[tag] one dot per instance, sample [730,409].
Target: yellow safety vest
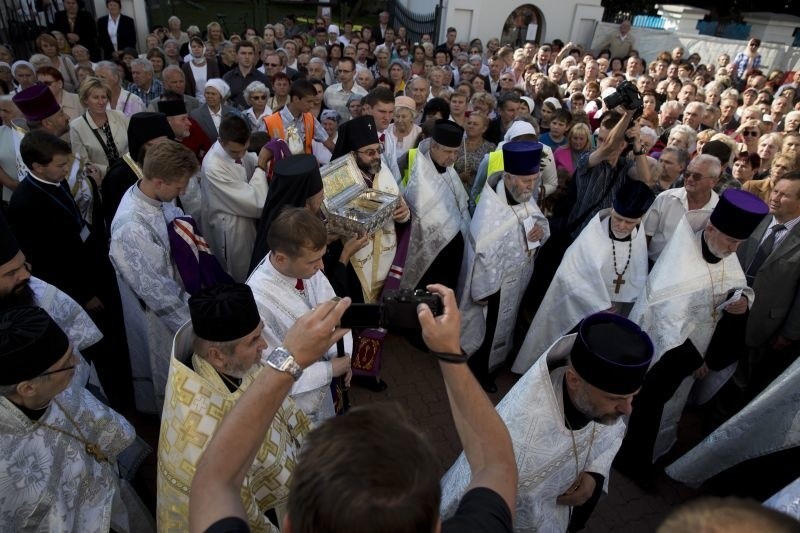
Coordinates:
[412,156]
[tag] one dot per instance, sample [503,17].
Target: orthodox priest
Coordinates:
[603,270]
[439,209]
[153,298]
[695,308]
[287,284]
[505,234]
[565,416]
[59,443]
[234,188]
[214,360]
[358,266]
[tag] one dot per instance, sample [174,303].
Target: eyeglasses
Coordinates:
[258,97]
[371,152]
[750,133]
[56,371]
[694,175]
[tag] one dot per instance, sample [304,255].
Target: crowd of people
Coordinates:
[169,245]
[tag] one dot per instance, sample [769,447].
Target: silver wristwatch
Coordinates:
[283,361]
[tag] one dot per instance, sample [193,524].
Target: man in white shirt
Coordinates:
[670,206]
[337,95]
[287,284]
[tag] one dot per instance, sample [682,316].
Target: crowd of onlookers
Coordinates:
[687,100]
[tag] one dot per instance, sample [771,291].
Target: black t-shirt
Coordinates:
[480,510]
[231,524]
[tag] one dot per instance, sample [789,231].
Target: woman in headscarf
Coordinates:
[210,115]
[296,182]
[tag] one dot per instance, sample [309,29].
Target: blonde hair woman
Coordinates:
[99,136]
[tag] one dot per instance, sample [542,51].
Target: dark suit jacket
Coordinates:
[126,35]
[203,117]
[211,72]
[48,227]
[494,133]
[85,28]
[776,309]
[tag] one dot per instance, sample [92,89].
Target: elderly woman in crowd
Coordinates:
[474,148]
[172,51]
[682,136]
[100,135]
[24,74]
[779,165]
[48,45]
[768,145]
[174,30]
[404,128]
[483,102]
[210,115]
[256,95]
[70,102]
[578,143]
[381,66]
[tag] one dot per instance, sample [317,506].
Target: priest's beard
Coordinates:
[619,235]
[370,168]
[22,295]
[580,399]
[519,196]
[235,369]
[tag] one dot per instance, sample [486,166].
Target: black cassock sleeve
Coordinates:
[581,513]
[727,343]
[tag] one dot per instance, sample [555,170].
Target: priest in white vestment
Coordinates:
[565,416]
[214,359]
[287,284]
[694,306]
[58,443]
[439,211]
[234,188]
[505,234]
[603,270]
[154,302]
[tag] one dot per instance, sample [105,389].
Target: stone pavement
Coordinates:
[415,382]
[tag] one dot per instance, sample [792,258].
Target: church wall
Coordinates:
[485,19]
[650,42]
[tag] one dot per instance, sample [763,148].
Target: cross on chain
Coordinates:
[617,283]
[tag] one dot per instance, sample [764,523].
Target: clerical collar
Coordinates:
[32,414]
[40,180]
[707,254]
[137,191]
[574,418]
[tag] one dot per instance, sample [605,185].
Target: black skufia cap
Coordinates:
[224,313]
[30,343]
[611,353]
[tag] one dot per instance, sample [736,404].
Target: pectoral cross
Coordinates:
[617,283]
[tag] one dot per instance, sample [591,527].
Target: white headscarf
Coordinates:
[220,86]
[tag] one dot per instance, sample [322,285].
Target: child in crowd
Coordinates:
[559,125]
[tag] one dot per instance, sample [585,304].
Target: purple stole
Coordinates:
[197,266]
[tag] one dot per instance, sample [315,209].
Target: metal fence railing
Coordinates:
[21,21]
[416,24]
